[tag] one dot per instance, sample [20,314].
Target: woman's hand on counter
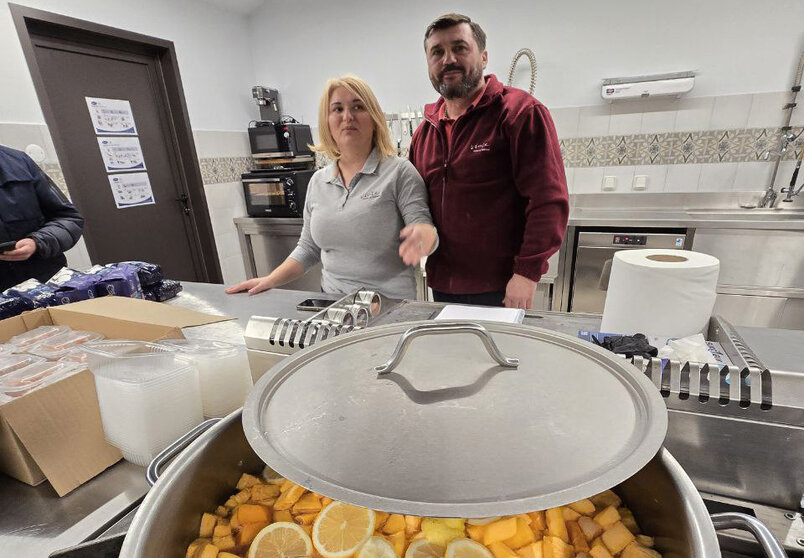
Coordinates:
[418,241]
[253,286]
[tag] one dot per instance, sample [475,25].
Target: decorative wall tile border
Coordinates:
[215,170]
[676,148]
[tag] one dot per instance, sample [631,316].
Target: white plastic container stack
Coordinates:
[223,373]
[148,395]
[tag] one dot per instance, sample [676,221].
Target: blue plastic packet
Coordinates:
[162,291]
[117,280]
[73,285]
[39,294]
[13,306]
[149,274]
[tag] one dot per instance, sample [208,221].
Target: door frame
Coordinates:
[30,21]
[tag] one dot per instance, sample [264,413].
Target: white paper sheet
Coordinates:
[132,189]
[111,116]
[484,313]
[121,154]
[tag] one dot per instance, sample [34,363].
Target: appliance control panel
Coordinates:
[629,240]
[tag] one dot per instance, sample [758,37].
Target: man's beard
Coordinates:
[462,88]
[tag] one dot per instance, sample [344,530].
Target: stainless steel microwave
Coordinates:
[280,140]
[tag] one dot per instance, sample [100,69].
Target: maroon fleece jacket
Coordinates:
[498,194]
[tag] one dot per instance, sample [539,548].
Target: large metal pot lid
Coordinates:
[450,432]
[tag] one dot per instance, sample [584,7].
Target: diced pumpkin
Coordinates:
[599,551]
[225,543]
[227,555]
[577,538]
[206,550]
[608,517]
[501,550]
[526,518]
[583,507]
[326,501]
[243,496]
[533,550]
[309,530]
[283,515]
[591,528]
[247,481]
[644,540]
[208,522]
[476,532]
[250,513]
[554,547]
[413,524]
[221,531]
[379,520]
[524,536]
[193,546]
[499,530]
[605,499]
[398,541]
[289,497]
[264,492]
[222,511]
[286,484]
[569,514]
[305,518]
[538,521]
[247,533]
[616,537]
[309,503]
[628,520]
[394,524]
[635,550]
[555,524]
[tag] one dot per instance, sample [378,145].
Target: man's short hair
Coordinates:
[451,20]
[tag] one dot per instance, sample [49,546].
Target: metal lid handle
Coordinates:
[745,522]
[446,328]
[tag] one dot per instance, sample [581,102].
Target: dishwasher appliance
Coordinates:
[593,257]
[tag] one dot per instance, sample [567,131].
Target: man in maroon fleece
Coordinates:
[490,157]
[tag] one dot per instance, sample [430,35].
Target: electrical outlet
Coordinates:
[609,183]
[640,183]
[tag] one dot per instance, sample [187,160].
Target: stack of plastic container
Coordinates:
[12,363]
[55,347]
[148,395]
[24,341]
[33,376]
[223,373]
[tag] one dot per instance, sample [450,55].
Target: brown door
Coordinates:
[74,68]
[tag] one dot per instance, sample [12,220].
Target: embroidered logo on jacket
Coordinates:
[480,147]
[370,196]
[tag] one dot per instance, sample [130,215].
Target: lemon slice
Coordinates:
[467,548]
[340,529]
[281,540]
[377,547]
[422,548]
[481,520]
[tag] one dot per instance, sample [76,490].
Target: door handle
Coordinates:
[184,200]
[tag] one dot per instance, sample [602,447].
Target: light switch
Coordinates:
[640,182]
[609,183]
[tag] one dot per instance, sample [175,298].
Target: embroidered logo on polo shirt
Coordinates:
[370,196]
[480,147]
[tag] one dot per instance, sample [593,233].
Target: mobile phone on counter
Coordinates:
[8,246]
[314,304]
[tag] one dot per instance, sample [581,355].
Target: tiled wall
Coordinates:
[223,156]
[704,144]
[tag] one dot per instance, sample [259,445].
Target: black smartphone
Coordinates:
[314,304]
[8,246]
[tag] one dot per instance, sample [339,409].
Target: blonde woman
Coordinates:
[366,217]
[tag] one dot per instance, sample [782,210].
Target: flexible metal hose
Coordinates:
[532,57]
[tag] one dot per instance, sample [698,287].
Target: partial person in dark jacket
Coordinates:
[491,160]
[37,216]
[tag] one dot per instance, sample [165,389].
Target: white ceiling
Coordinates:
[244,7]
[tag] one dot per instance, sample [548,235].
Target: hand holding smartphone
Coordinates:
[8,246]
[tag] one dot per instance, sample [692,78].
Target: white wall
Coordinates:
[736,46]
[211,44]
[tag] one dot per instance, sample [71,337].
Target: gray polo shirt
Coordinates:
[354,232]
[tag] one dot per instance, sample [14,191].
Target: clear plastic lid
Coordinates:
[24,380]
[123,349]
[30,338]
[55,347]
[135,362]
[6,349]
[201,347]
[12,363]
[76,355]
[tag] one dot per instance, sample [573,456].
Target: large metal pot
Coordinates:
[661,495]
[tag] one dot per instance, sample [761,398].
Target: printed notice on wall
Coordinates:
[131,189]
[121,154]
[111,116]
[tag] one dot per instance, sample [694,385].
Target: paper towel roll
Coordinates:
[667,293]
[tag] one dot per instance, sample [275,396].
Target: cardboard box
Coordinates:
[55,433]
